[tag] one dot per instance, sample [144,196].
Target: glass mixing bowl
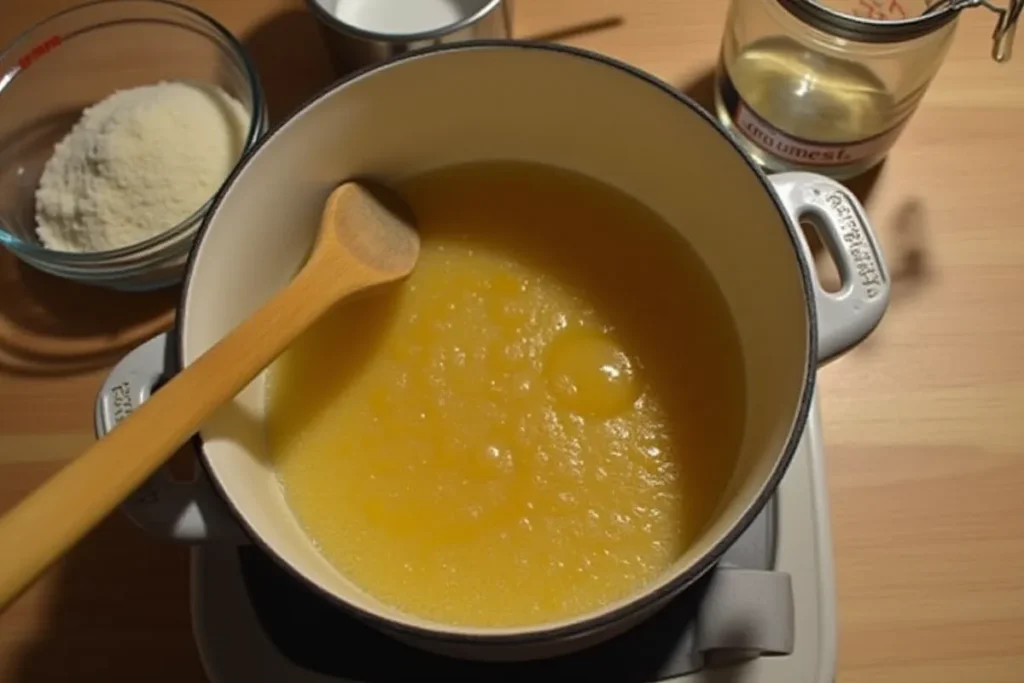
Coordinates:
[71,61]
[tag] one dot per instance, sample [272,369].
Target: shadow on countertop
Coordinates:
[701,88]
[51,327]
[115,609]
[576,30]
[291,59]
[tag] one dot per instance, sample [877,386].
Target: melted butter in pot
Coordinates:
[511,436]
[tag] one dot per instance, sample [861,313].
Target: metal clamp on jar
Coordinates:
[828,85]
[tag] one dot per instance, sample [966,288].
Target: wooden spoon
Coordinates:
[366,238]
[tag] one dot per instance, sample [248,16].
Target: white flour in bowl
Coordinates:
[138,163]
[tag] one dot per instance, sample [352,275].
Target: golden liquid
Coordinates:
[811,95]
[536,423]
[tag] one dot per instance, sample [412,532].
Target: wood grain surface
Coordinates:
[924,422]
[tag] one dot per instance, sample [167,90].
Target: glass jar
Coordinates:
[828,85]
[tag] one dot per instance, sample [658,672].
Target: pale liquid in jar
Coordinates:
[536,423]
[811,95]
[792,107]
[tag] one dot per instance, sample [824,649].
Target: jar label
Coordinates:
[795,150]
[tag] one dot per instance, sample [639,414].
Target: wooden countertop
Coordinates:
[924,422]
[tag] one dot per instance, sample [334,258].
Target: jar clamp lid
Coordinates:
[938,14]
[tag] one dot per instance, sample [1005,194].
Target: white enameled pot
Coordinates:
[541,103]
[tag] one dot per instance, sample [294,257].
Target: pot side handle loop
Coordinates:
[186,511]
[848,316]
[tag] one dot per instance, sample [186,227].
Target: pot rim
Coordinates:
[642,599]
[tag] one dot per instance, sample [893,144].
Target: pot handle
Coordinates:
[848,316]
[186,511]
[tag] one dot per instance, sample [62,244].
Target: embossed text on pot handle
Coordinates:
[186,511]
[849,315]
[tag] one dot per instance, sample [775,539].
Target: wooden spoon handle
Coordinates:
[55,516]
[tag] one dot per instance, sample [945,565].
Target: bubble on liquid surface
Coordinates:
[589,373]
